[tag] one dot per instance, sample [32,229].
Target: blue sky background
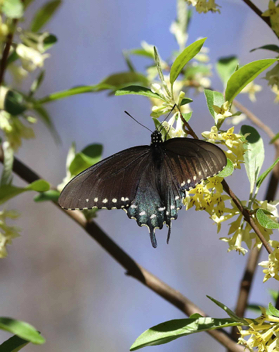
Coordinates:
[55,276]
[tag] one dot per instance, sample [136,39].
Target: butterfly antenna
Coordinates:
[161,123]
[137,121]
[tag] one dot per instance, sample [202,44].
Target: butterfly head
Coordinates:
[156,137]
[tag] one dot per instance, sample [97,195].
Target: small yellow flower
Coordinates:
[30,58]
[212,135]
[222,112]
[252,89]
[7,233]
[14,129]
[272,264]
[273,13]
[272,76]
[275,90]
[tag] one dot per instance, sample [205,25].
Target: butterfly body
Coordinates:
[148,182]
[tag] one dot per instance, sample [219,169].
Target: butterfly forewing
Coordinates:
[110,184]
[192,161]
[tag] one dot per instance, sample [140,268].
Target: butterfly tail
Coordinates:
[153,238]
[169,232]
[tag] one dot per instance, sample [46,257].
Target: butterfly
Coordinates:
[148,182]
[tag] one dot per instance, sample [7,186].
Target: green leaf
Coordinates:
[245,75]
[186,101]
[113,82]
[273,310]
[66,93]
[27,3]
[141,52]
[37,83]
[158,64]
[128,61]
[86,158]
[274,294]
[38,186]
[255,308]
[213,98]
[49,41]
[44,14]
[121,80]
[43,114]
[187,54]
[6,177]
[9,191]
[274,139]
[271,47]
[227,310]
[265,221]
[12,58]
[138,90]
[173,329]
[228,170]
[226,67]
[13,8]
[14,103]
[187,116]
[22,330]
[51,195]
[13,344]
[264,174]
[254,154]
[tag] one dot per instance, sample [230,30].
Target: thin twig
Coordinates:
[247,216]
[256,120]
[258,12]
[133,269]
[6,52]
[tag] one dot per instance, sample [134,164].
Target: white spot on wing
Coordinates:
[122,198]
[134,206]
[114,200]
[183,184]
[172,207]
[105,200]
[176,198]
[95,199]
[142,213]
[153,216]
[194,178]
[189,181]
[161,209]
[87,200]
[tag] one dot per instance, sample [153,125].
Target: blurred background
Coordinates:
[55,276]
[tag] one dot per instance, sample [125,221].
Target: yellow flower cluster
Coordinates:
[241,231]
[263,332]
[207,196]
[234,143]
[7,233]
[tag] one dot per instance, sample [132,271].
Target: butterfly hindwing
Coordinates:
[109,184]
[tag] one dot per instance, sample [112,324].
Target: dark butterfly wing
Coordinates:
[109,184]
[184,163]
[192,160]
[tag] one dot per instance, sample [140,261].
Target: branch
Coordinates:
[133,269]
[247,216]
